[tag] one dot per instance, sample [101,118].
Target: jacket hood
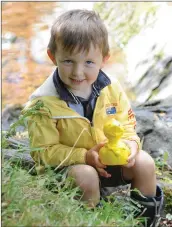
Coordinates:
[46,89]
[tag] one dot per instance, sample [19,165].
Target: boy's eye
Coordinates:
[89,62]
[67,61]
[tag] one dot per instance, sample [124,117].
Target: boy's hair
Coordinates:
[79,28]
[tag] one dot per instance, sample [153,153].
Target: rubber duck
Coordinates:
[114,152]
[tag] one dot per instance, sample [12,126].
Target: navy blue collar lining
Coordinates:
[66,95]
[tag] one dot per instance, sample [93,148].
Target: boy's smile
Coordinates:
[79,70]
[74,81]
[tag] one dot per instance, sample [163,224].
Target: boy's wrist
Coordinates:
[89,158]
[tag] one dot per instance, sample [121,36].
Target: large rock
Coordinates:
[154,127]
[10,114]
[152,78]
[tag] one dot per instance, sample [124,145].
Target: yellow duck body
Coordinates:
[115,152]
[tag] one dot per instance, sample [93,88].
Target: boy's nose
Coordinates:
[77,71]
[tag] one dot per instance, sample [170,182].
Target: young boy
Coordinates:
[78,98]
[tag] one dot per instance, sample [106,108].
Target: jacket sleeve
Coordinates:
[126,116]
[47,150]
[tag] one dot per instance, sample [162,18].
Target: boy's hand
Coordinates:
[134,151]
[92,159]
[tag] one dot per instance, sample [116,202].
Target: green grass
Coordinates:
[28,201]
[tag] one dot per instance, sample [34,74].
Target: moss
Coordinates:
[168,200]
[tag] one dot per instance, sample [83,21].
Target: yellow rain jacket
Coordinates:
[64,136]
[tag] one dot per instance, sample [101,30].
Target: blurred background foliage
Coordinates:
[126,19]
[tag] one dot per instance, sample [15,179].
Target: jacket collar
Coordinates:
[66,95]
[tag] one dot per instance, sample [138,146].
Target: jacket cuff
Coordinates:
[80,156]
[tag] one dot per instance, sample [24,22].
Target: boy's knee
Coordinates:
[145,161]
[85,176]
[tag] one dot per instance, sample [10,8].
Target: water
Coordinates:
[25,34]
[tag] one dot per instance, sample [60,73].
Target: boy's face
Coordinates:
[79,70]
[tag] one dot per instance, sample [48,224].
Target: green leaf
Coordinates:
[165,156]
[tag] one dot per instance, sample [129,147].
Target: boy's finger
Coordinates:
[99,164]
[132,156]
[130,164]
[103,173]
[98,146]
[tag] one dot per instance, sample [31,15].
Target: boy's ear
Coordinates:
[51,56]
[105,59]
